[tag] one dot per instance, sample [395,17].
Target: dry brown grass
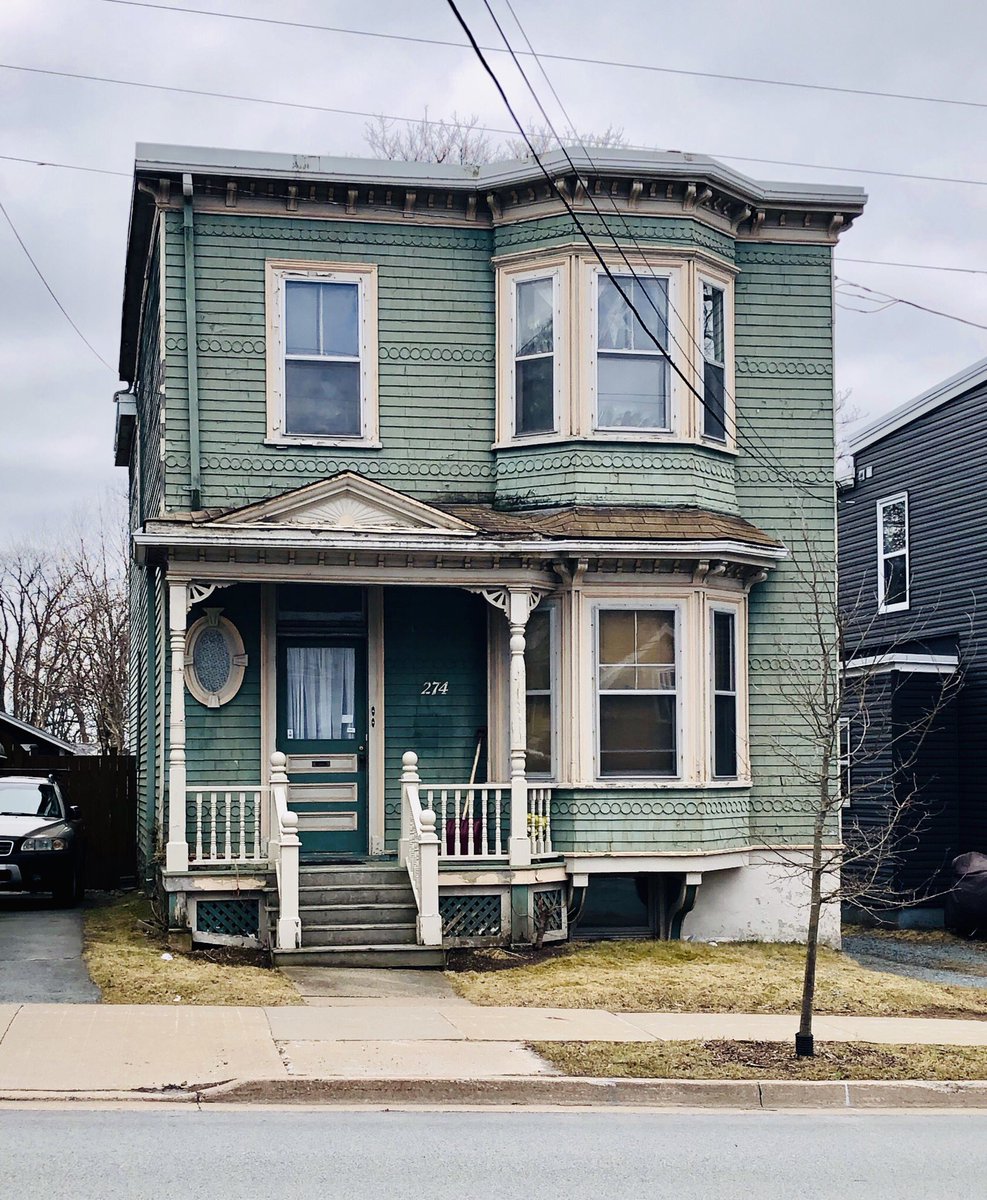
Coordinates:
[752,977]
[124,959]
[764,1060]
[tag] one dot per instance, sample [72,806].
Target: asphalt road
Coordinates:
[186,1153]
[41,955]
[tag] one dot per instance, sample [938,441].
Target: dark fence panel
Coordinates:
[104,788]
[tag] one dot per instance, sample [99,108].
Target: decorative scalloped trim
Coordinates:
[782,366]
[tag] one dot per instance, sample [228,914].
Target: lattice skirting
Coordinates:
[476,915]
[233,919]
[549,912]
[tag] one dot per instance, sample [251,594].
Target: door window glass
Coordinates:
[321,693]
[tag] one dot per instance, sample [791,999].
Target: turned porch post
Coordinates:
[176,851]
[519,606]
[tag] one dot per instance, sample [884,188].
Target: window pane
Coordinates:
[535,395]
[302,317]
[637,735]
[895,580]
[712,323]
[893,526]
[618,679]
[617,636]
[535,317]
[723,652]
[655,637]
[537,652]
[322,398]
[725,736]
[539,716]
[714,407]
[320,693]
[341,318]
[617,326]
[656,679]
[632,392]
[212,660]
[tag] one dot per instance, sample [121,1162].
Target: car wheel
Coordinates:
[69,894]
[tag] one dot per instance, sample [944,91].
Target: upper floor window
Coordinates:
[322,349]
[640,351]
[714,361]
[632,373]
[892,553]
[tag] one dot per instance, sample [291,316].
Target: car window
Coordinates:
[20,798]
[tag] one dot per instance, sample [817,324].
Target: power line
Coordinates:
[350,112]
[568,58]
[880,262]
[48,288]
[40,162]
[884,300]
[728,421]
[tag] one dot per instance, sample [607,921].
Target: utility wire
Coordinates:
[40,162]
[350,112]
[568,58]
[883,300]
[48,288]
[729,422]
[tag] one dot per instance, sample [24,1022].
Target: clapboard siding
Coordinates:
[936,460]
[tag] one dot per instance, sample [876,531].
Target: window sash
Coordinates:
[891,558]
[525,422]
[724,730]
[539,694]
[713,343]
[661,401]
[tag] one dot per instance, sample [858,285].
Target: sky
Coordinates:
[56,415]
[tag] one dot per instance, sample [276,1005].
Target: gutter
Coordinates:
[192,350]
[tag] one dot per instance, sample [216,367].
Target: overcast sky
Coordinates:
[55,411]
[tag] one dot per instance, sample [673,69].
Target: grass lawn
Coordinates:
[752,977]
[123,953]
[763,1060]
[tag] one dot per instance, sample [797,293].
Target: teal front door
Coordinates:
[322,728]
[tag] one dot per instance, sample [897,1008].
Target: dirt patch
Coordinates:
[764,1060]
[753,977]
[129,959]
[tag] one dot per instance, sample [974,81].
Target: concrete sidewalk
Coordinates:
[66,1048]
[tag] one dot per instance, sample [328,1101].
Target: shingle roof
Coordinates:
[612,523]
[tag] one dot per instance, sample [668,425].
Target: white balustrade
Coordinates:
[284,848]
[419,853]
[225,825]
[540,820]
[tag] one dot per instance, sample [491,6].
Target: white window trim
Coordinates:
[238,659]
[651,604]
[724,284]
[278,273]
[673,276]
[558,271]
[551,609]
[845,759]
[740,690]
[903,605]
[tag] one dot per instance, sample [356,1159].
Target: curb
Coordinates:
[552,1091]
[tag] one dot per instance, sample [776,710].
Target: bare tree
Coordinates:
[461,140]
[855,853]
[63,635]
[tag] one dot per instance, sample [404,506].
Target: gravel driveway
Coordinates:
[41,954]
[948,961]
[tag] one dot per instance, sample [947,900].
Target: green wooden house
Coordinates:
[462,509]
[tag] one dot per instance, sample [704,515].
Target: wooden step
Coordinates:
[358,935]
[417,957]
[357,914]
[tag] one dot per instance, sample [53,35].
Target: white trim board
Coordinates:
[917,664]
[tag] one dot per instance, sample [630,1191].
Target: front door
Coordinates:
[322,728]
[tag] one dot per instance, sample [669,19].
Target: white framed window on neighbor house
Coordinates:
[637,690]
[846,781]
[893,574]
[632,378]
[541,689]
[725,708]
[535,350]
[322,353]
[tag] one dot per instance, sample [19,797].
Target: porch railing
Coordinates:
[474,820]
[419,853]
[283,850]
[226,822]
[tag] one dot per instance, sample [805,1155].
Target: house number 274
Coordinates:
[435,687]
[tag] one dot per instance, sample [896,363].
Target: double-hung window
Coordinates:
[637,700]
[633,390]
[714,362]
[322,370]
[536,335]
[723,669]
[539,709]
[892,553]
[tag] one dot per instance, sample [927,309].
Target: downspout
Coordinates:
[192,356]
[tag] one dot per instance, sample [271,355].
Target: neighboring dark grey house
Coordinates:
[913,590]
[19,742]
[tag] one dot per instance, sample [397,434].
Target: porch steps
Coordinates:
[356,915]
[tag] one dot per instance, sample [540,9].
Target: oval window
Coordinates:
[214,659]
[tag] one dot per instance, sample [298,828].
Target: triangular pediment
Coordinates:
[347,503]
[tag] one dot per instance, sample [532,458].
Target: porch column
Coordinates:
[519,606]
[176,851]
